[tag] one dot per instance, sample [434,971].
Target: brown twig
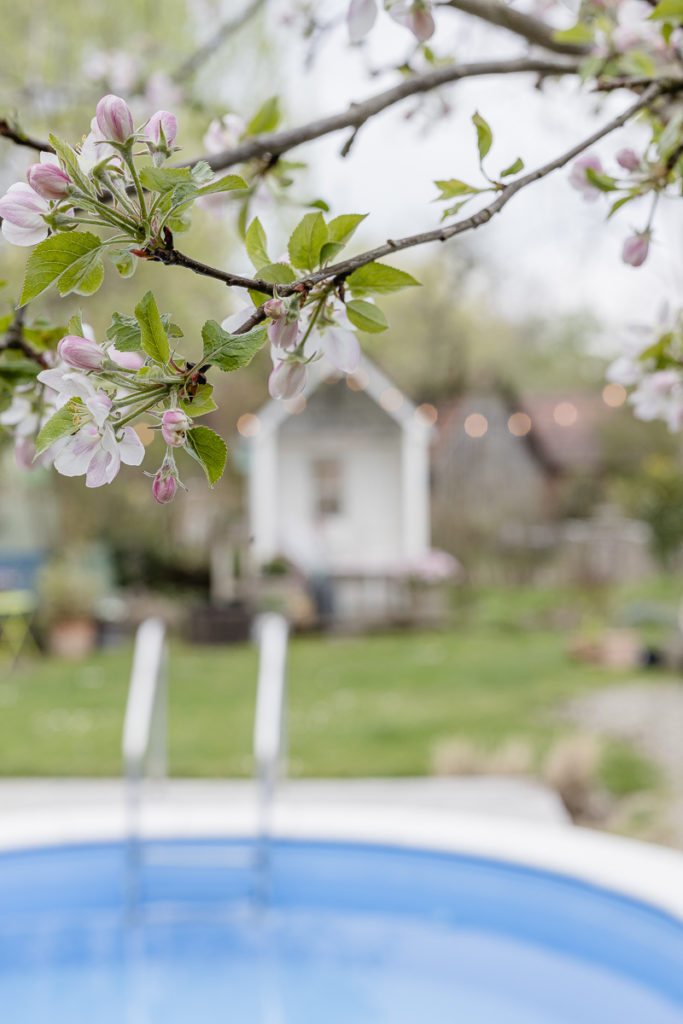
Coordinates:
[16,135]
[534,30]
[14,339]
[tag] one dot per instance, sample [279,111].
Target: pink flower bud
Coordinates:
[274,308]
[49,181]
[636,248]
[579,179]
[164,121]
[283,333]
[114,118]
[174,424]
[164,485]
[22,212]
[287,380]
[80,353]
[360,18]
[628,159]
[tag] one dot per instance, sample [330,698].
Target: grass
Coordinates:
[358,706]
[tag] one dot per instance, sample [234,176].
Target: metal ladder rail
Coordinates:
[144,742]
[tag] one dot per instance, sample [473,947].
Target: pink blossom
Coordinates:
[360,17]
[129,360]
[287,380]
[341,348]
[174,425]
[579,179]
[114,118]
[415,16]
[22,212]
[80,353]
[98,453]
[628,159]
[283,333]
[636,248]
[164,121]
[164,485]
[49,181]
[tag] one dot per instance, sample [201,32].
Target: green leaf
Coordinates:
[668,10]
[601,181]
[266,119]
[202,173]
[124,261]
[366,316]
[124,332]
[514,168]
[340,229]
[210,451]
[379,279]
[60,425]
[484,135]
[73,260]
[154,341]
[228,183]
[579,33]
[257,244]
[307,240]
[621,202]
[319,204]
[273,273]
[454,187]
[202,402]
[69,161]
[230,351]
[329,251]
[452,210]
[164,179]
[75,325]
[18,371]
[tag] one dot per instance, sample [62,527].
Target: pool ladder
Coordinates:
[144,744]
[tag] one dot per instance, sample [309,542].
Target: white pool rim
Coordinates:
[643,871]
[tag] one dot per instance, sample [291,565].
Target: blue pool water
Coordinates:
[349,934]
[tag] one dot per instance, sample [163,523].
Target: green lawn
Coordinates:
[358,706]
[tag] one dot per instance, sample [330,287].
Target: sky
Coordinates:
[549,250]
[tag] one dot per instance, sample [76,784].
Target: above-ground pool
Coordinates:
[340,933]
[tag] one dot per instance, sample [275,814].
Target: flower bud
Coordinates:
[628,159]
[49,181]
[274,308]
[174,424]
[164,485]
[114,118]
[283,333]
[636,248]
[80,353]
[163,121]
[579,179]
[287,380]
[23,212]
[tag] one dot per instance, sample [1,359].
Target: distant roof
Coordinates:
[275,412]
[565,425]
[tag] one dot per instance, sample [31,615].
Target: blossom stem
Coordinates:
[137,412]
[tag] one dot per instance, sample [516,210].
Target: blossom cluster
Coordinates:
[651,364]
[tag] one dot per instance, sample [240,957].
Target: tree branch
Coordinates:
[277,143]
[14,339]
[15,134]
[503,16]
[228,28]
[339,271]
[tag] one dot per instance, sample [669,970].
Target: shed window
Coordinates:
[327,487]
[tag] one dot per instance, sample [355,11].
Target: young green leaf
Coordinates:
[257,244]
[366,316]
[124,261]
[59,425]
[266,119]
[273,273]
[579,33]
[75,325]
[124,333]
[601,181]
[379,279]
[202,402]
[210,450]
[228,183]
[452,210]
[72,260]
[454,187]
[329,251]
[668,10]
[230,351]
[306,241]
[340,229]
[153,336]
[164,179]
[484,135]
[514,168]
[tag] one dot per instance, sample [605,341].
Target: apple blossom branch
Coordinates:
[338,272]
[275,144]
[534,30]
